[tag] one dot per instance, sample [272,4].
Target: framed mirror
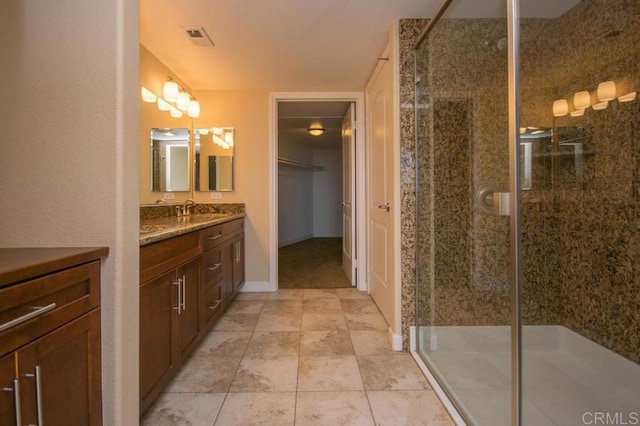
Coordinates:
[170,159]
[214,148]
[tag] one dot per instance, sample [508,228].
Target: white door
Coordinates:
[380,178]
[348,190]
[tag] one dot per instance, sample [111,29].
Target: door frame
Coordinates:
[360,199]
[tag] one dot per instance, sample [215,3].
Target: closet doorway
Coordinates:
[316,189]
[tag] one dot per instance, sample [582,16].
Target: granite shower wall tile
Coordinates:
[409,31]
[580,230]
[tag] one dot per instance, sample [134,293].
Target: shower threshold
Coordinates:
[567,379]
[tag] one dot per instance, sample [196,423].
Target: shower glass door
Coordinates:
[579,118]
[464,296]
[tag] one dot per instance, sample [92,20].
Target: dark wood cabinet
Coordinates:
[50,367]
[182,294]
[189,312]
[158,328]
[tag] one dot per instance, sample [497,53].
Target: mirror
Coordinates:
[169,160]
[214,159]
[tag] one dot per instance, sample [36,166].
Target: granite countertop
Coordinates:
[161,228]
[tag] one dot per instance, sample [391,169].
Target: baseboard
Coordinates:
[257,287]
[395,340]
[295,240]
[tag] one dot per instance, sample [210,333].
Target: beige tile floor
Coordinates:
[299,357]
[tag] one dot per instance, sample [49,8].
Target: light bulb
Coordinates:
[194,109]
[628,97]
[182,103]
[163,105]
[170,91]
[560,108]
[601,105]
[175,112]
[581,100]
[606,91]
[148,95]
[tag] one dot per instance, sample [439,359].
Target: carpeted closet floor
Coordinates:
[313,263]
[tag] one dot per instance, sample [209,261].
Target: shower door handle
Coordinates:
[491,201]
[384,207]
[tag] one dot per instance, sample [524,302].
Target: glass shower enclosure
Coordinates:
[528,186]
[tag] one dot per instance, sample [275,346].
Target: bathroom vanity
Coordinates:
[191,268]
[50,366]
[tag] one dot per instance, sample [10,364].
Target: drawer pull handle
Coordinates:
[178,283]
[38,379]
[215,305]
[214,237]
[26,317]
[16,400]
[214,267]
[184,293]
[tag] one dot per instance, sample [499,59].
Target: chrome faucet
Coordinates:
[186,207]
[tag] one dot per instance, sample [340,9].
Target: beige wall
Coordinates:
[248,113]
[153,74]
[68,163]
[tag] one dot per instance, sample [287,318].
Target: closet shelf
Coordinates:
[298,165]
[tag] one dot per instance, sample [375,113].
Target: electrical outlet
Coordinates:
[216,195]
[169,196]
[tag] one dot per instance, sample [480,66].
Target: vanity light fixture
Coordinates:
[193,110]
[175,112]
[175,99]
[628,97]
[606,91]
[581,100]
[170,90]
[560,108]
[577,113]
[148,95]
[163,105]
[315,130]
[182,102]
[600,106]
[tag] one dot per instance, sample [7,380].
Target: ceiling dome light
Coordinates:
[170,91]
[315,130]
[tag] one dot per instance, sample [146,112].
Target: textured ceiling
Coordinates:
[274,44]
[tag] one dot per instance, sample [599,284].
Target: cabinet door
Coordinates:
[60,375]
[238,262]
[189,317]
[7,391]
[158,307]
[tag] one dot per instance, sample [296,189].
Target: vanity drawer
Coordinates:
[211,237]
[212,265]
[35,307]
[233,228]
[213,302]
[158,258]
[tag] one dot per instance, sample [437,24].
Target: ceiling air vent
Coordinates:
[198,36]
